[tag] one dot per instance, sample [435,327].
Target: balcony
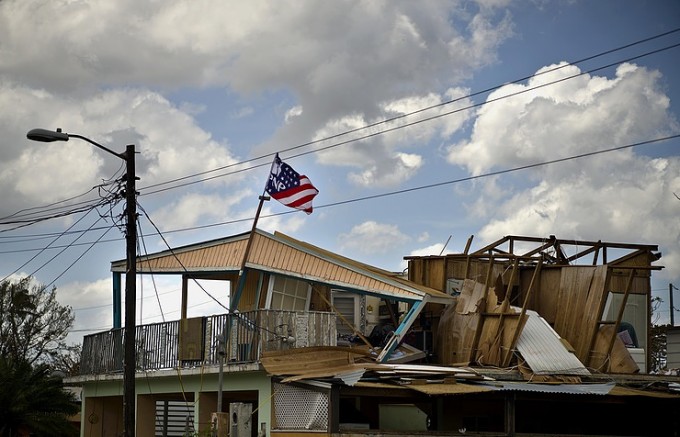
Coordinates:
[197,341]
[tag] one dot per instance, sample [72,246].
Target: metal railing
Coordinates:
[241,337]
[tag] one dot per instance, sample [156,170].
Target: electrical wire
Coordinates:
[141,208]
[30,221]
[421,110]
[54,212]
[75,261]
[405,125]
[428,108]
[153,277]
[403,191]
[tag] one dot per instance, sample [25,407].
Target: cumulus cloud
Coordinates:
[597,197]
[168,141]
[533,124]
[372,237]
[377,153]
[190,209]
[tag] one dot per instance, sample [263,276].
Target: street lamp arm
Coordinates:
[106,149]
[47,136]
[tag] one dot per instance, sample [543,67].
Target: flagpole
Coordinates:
[241,276]
[263,197]
[233,304]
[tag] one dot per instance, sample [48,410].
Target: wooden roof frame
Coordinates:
[557,244]
[506,247]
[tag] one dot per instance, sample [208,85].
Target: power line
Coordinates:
[411,189]
[153,278]
[418,111]
[177,258]
[405,125]
[112,195]
[385,121]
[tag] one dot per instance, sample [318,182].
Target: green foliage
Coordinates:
[33,400]
[658,347]
[33,325]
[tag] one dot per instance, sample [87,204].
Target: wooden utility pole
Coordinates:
[670,300]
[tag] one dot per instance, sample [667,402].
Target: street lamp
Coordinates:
[129,361]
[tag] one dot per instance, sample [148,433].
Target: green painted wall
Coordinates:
[195,386]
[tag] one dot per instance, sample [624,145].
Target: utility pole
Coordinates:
[670,297]
[129,361]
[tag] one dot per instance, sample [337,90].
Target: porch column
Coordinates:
[117,307]
[185,287]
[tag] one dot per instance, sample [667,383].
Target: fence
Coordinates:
[241,337]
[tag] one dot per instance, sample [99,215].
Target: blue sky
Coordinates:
[214,88]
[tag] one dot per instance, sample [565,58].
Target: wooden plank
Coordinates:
[191,339]
[481,310]
[597,300]
[618,360]
[495,349]
[591,317]
[578,322]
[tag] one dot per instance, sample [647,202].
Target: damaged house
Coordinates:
[526,336]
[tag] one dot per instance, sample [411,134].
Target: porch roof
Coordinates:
[282,254]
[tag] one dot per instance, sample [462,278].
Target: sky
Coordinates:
[420,123]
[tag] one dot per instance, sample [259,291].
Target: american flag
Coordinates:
[289,187]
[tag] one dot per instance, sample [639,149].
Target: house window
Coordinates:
[288,294]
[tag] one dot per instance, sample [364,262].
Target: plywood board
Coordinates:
[620,360]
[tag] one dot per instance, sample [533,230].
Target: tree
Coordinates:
[34,401]
[33,325]
[33,329]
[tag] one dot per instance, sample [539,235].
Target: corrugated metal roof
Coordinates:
[543,350]
[282,254]
[448,388]
[576,389]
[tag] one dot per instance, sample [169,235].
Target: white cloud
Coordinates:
[598,197]
[293,112]
[371,237]
[169,143]
[576,116]
[433,249]
[244,112]
[378,157]
[92,306]
[400,49]
[192,209]
[388,172]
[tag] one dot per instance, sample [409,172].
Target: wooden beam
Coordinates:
[468,244]
[345,321]
[491,246]
[498,338]
[480,325]
[620,315]
[542,247]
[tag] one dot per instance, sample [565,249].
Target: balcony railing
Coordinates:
[242,337]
